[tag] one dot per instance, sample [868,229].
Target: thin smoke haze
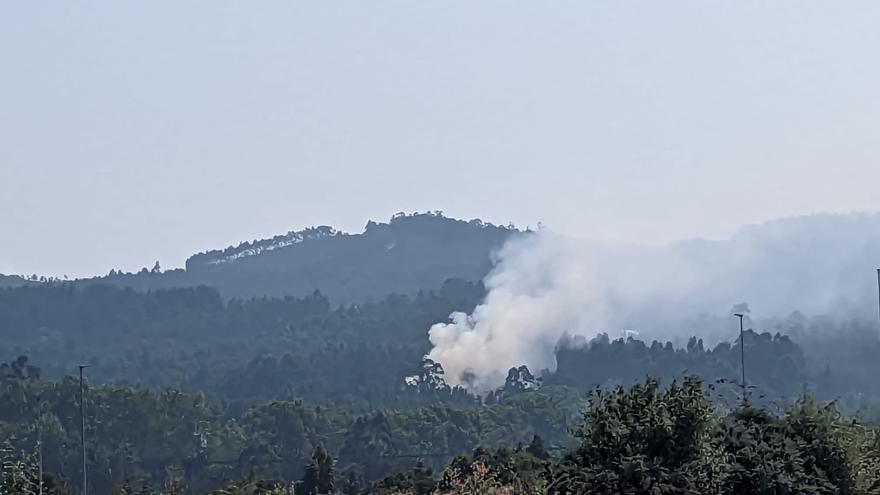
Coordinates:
[546,286]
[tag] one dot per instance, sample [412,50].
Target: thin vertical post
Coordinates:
[82,431]
[742,352]
[40,448]
[878,292]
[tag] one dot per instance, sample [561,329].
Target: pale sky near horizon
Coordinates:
[132,132]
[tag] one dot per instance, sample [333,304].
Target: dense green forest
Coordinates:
[188,387]
[203,384]
[15,281]
[646,439]
[406,254]
[139,435]
[191,339]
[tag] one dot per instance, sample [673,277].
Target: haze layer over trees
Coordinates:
[301,359]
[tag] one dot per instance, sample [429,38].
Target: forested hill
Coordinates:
[260,388]
[409,253]
[13,281]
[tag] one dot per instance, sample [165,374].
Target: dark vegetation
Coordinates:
[140,435]
[643,440]
[239,351]
[194,389]
[403,256]
[222,390]
[191,339]
[17,281]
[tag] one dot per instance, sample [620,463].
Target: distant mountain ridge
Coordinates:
[14,281]
[409,253]
[244,249]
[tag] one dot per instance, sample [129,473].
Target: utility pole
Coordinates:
[742,352]
[82,431]
[40,446]
[878,292]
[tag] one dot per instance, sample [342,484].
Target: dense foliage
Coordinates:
[407,254]
[650,440]
[192,340]
[357,356]
[296,391]
[834,362]
[139,436]
[644,440]
[193,389]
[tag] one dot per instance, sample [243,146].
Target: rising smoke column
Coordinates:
[545,286]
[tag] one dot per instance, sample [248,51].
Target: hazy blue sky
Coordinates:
[137,131]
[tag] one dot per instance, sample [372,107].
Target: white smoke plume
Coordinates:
[545,286]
